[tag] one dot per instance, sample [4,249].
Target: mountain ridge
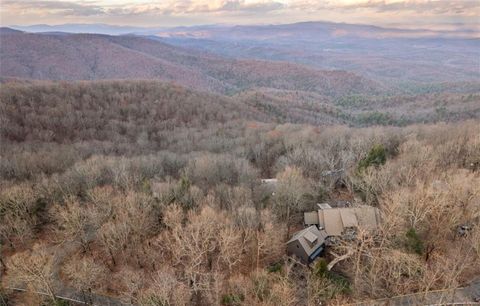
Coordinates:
[99,56]
[103,28]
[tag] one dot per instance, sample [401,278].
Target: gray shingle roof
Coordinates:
[310,238]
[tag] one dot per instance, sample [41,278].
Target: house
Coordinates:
[335,221]
[307,244]
[311,217]
[327,222]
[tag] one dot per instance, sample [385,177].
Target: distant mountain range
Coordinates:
[95,28]
[64,56]
[315,73]
[193,31]
[392,56]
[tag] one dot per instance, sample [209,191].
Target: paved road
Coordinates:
[77,298]
[469,295]
[474,290]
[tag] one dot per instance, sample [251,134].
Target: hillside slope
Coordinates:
[393,56]
[62,56]
[88,57]
[126,111]
[105,110]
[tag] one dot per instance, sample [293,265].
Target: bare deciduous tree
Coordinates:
[85,275]
[18,214]
[75,221]
[34,268]
[290,193]
[165,289]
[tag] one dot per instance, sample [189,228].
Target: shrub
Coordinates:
[414,242]
[232,299]
[338,283]
[261,287]
[59,302]
[275,268]
[4,300]
[376,156]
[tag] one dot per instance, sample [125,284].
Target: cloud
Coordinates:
[419,6]
[439,7]
[182,7]
[153,12]
[238,5]
[56,7]
[202,6]
[164,7]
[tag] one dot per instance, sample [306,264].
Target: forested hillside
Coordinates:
[150,193]
[64,56]
[32,109]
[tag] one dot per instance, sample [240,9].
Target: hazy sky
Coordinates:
[421,13]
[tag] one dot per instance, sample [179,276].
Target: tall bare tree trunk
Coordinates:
[258,250]
[288,223]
